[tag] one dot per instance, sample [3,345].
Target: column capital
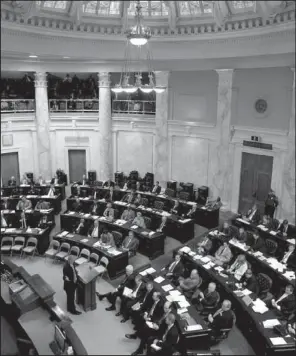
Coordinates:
[104,79]
[162,78]
[40,80]
[225,76]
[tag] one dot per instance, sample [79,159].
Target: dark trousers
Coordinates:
[125,306]
[145,333]
[70,291]
[269,210]
[112,297]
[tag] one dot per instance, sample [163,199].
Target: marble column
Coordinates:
[42,126]
[287,200]
[161,157]
[105,128]
[222,152]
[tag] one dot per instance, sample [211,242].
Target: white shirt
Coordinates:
[3,221]
[154,189]
[134,294]
[172,266]
[50,193]
[95,232]
[282,297]
[83,182]
[286,256]
[55,181]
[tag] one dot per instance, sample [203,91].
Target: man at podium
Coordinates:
[70,284]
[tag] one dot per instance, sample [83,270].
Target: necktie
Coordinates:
[204,242]
[285,258]
[281,298]
[217,312]
[111,194]
[83,182]
[165,334]
[74,274]
[146,295]
[172,266]
[222,250]
[128,241]
[152,309]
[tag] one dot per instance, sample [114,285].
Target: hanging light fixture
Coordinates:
[137,36]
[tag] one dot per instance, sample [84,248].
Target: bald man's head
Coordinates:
[129,269]
[226,305]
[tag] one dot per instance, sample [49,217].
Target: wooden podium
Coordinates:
[86,289]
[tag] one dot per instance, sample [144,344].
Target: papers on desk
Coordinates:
[127,291]
[167,287]
[69,236]
[33,196]
[179,298]
[102,218]
[277,341]
[262,258]
[185,249]
[243,221]
[193,327]
[71,213]
[159,279]
[114,252]
[184,221]
[86,215]
[6,211]
[150,270]
[10,230]
[258,253]
[184,304]
[262,227]
[95,217]
[64,233]
[182,311]
[29,230]
[119,222]
[165,213]
[3,229]
[175,292]
[151,233]
[203,208]
[219,268]
[170,298]
[44,211]
[291,241]
[24,185]
[272,233]
[86,198]
[155,347]
[97,244]
[270,323]
[289,274]
[205,259]
[259,306]
[134,227]
[197,257]
[246,292]
[45,196]
[192,253]
[208,265]
[84,240]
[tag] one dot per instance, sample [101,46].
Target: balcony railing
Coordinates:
[17,105]
[133,107]
[74,105]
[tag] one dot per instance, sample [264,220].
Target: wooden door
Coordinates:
[77,165]
[256,173]
[10,167]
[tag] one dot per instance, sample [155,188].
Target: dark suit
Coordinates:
[69,286]
[169,343]
[177,270]
[129,198]
[95,209]
[82,230]
[209,300]
[59,181]
[154,315]
[250,284]
[77,207]
[157,190]
[128,282]
[5,205]
[11,183]
[114,196]
[291,260]
[241,237]
[283,229]
[222,321]
[146,304]
[288,305]
[127,303]
[256,217]
[256,244]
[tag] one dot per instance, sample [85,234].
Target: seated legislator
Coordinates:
[22,223]
[285,304]
[256,243]
[163,224]
[225,228]
[167,339]
[111,195]
[128,214]
[153,331]
[42,205]
[266,221]
[12,182]
[108,183]
[156,188]
[192,212]
[242,235]
[84,181]
[40,181]
[130,243]
[129,197]
[138,200]
[81,228]
[249,281]
[94,231]
[51,191]
[208,298]
[176,209]
[216,204]
[43,223]
[223,318]
[284,228]
[288,257]
[239,267]
[76,206]
[139,220]
[95,208]
[270,204]
[96,194]
[56,180]
[129,282]
[127,301]
[253,215]
[223,255]
[5,204]
[109,212]
[175,268]
[24,204]
[204,246]
[107,238]
[189,284]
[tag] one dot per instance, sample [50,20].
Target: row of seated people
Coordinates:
[25,180]
[22,221]
[144,305]
[34,190]
[25,204]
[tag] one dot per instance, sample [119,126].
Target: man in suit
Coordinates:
[286,303]
[94,231]
[56,180]
[225,229]
[129,197]
[188,285]
[111,195]
[176,209]
[25,180]
[242,235]
[204,247]
[108,183]
[284,229]
[130,243]
[24,204]
[223,255]
[42,205]
[96,194]
[167,339]
[139,187]
[109,212]
[288,257]
[77,206]
[208,298]
[239,267]
[175,269]
[250,282]
[223,318]
[271,203]
[163,224]
[51,191]
[81,228]
[12,182]
[138,201]
[216,204]
[139,220]
[266,221]
[129,282]
[253,215]
[107,238]
[128,214]
[256,243]
[127,301]
[156,188]
[70,284]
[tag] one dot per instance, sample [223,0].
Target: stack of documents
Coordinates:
[182,311]
[97,244]
[205,259]
[114,252]
[71,213]
[84,240]
[262,227]
[64,233]
[185,249]
[127,291]
[150,270]
[197,257]
[194,327]
[167,287]
[292,241]
[119,222]
[289,274]
[219,268]
[272,233]
[159,279]
[278,341]
[192,253]
[259,306]
[184,304]
[270,323]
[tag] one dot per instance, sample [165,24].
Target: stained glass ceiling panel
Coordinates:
[195,8]
[149,8]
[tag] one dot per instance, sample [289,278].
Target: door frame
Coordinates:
[77,148]
[276,177]
[18,151]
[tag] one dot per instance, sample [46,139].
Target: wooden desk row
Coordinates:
[151,243]
[205,217]
[41,189]
[55,201]
[177,227]
[32,216]
[248,321]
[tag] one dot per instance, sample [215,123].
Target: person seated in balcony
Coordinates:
[128,214]
[109,212]
[224,229]
[12,182]
[77,206]
[67,79]
[223,255]
[107,238]
[129,197]
[200,199]
[177,208]
[5,204]
[94,230]
[81,228]
[108,183]
[51,191]
[156,188]
[139,220]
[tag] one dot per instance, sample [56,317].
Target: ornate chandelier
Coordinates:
[138,36]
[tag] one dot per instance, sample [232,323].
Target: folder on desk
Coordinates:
[175,292]
[273,233]
[86,215]
[182,311]
[194,327]
[184,304]
[127,291]
[71,212]
[205,259]
[185,249]
[150,270]
[278,341]
[159,279]
[64,233]
[167,287]
[270,323]
[84,240]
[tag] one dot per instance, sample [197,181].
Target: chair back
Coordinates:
[271,246]
[74,251]
[104,261]
[94,257]
[85,253]
[147,221]
[184,196]
[118,238]
[65,247]
[145,202]
[265,282]
[19,240]
[32,241]
[158,205]
[7,240]
[55,245]
[169,192]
